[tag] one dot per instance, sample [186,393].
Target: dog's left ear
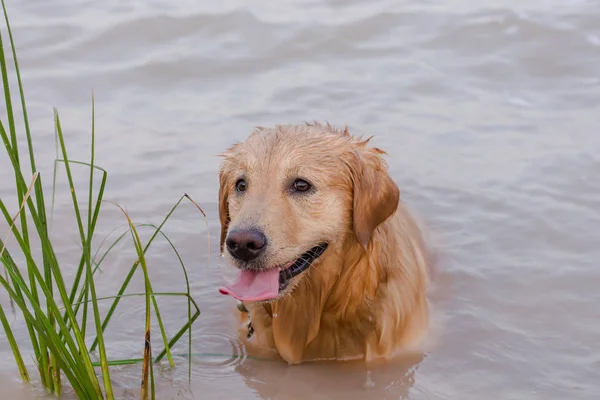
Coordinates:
[223,205]
[376,195]
[224,186]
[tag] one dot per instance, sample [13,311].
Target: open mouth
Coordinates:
[267,284]
[300,265]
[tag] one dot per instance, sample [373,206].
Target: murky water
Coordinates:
[489,111]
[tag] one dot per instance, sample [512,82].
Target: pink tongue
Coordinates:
[254,286]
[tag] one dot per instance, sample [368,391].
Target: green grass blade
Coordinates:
[41,350]
[86,242]
[93,222]
[12,342]
[6,258]
[17,279]
[84,291]
[38,188]
[91,183]
[131,273]
[50,258]
[161,327]
[133,268]
[187,284]
[95,215]
[180,333]
[90,228]
[13,149]
[147,371]
[21,92]
[84,317]
[44,328]
[13,346]
[8,100]
[110,248]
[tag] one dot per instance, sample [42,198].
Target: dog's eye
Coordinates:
[240,185]
[301,185]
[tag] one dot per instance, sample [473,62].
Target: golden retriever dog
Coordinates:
[331,263]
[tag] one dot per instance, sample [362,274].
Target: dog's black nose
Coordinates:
[246,245]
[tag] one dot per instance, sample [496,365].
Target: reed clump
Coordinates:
[58,313]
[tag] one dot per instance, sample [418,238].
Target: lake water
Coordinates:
[490,113]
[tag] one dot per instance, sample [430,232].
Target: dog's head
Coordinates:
[291,195]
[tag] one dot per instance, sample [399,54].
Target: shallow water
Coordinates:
[489,111]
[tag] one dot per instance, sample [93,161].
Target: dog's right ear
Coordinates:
[223,205]
[375,195]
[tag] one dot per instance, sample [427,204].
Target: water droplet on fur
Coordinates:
[369,382]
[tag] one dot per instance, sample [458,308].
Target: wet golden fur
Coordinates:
[366,296]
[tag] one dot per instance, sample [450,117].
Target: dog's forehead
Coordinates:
[290,147]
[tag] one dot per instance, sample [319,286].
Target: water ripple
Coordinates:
[217,355]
